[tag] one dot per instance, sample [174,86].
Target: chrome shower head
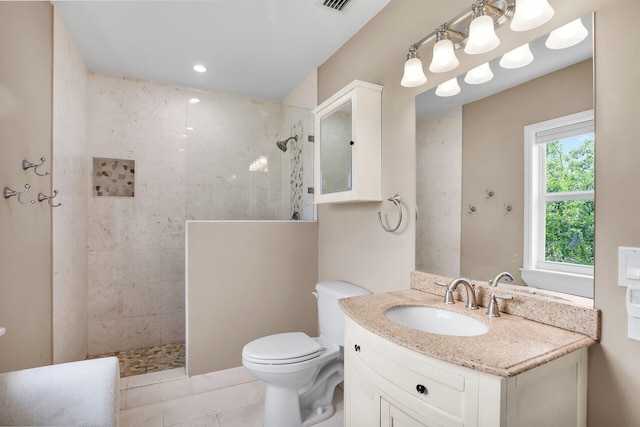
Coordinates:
[282,145]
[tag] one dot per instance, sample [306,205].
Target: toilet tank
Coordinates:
[330,316]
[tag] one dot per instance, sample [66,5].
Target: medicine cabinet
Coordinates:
[347,161]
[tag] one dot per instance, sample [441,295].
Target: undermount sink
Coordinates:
[436,321]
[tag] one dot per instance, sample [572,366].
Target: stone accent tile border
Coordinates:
[148,359]
[554,312]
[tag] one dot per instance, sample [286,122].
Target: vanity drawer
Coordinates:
[429,391]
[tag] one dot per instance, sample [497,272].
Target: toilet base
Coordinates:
[287,407]
[281,407]
[317,402]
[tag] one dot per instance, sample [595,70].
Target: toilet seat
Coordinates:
[282,349]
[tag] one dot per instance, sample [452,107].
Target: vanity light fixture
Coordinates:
[517,58]
[199,68]
[479,75]
[448,88]
[482,34]
[567,35]
[413,74]
[480,20]
[531,14]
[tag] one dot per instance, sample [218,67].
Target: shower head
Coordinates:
[282,145]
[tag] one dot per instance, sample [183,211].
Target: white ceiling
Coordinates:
[259,48]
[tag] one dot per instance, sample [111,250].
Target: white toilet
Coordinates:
[301,372]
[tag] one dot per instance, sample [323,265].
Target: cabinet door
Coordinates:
[335,150]
[390,416]
[362,402]
[347,151]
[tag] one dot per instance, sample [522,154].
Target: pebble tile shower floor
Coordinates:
[148,359]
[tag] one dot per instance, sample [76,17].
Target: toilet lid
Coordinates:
[290,347]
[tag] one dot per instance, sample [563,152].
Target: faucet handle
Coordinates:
[493,310]
[448,294]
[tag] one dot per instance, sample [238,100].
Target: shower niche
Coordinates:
[113,177]
[347,159]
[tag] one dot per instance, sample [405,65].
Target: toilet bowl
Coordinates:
[301,372]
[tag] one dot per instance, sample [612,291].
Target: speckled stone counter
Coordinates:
[511,346]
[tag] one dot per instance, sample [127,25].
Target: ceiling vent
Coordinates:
[337,5]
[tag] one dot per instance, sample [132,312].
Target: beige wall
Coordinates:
[25,231]
[493,158]
[246,280]
[70,176]
[351,245]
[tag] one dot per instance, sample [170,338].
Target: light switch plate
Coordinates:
[628,266]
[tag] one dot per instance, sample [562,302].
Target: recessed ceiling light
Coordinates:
[194,101]
[200,68]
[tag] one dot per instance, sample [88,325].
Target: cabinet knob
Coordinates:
[356,347]
[421,389]
[351,142]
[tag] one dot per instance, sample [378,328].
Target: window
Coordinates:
[559,204]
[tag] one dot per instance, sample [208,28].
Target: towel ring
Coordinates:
[396,201]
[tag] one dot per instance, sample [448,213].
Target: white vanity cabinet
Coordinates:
[347,150]
[390,385]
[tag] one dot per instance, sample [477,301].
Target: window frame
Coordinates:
[536,271]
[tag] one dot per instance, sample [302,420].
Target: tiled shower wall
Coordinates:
[215,159]
[439,159]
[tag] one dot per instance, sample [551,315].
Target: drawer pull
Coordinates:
[421,389]
[356,347]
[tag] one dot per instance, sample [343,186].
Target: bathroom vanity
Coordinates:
[519,373]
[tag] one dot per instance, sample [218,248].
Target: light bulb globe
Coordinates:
[448,88]
[413,73]
[479,75]
[482,36]
[531,14]
[567,35]
[517,58]
[444,58]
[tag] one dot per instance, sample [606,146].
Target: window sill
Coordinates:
[568,283]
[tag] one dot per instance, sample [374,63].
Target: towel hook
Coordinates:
[27,164]
[396,201]
[42,198]
[7,192]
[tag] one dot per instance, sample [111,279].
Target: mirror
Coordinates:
[470,159]
[335,150]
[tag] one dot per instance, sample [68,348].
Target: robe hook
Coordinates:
[7,192]
[27,164]
[42,198]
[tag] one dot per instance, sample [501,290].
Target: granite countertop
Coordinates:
[512,344]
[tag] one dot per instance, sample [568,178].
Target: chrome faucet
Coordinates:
[504,275]
[472,302]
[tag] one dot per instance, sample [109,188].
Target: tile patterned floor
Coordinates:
[149,359]
[229,398]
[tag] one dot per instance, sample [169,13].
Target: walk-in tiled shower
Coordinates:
[194,155]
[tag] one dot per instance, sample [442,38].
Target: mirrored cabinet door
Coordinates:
[335,150]
[347,150]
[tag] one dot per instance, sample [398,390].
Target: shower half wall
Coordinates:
[215,159]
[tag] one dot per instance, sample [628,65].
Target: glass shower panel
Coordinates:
[235,170]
